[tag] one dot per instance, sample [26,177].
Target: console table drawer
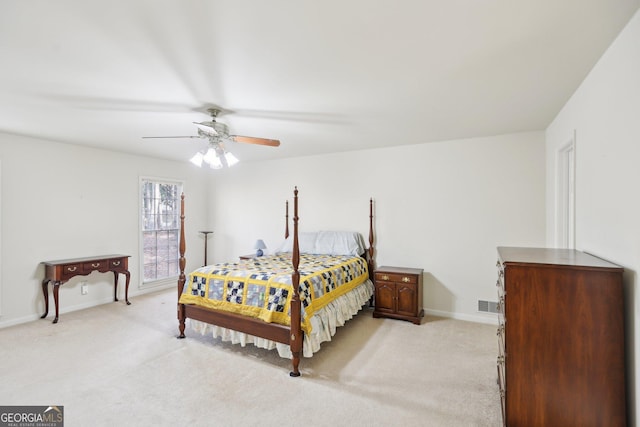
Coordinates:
[118,263]
[71,269]
[88,267]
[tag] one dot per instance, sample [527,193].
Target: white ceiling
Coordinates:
[321,76]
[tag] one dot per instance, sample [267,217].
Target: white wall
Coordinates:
[442,206]
[605,114]
[64,201]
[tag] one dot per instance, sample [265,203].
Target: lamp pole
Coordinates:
[206,235]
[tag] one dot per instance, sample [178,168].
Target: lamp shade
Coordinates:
[259,246]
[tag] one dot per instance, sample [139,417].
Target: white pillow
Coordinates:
[339,243]
[306,243]
[326,243]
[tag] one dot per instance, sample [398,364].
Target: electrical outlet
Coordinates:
[84,289]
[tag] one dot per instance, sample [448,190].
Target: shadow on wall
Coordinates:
[436,296]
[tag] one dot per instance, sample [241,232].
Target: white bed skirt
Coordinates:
[323,324]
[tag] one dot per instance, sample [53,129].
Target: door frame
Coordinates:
[566,195]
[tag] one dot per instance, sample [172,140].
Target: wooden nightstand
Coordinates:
[398,293]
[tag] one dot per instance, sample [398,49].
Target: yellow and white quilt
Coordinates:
[261,287]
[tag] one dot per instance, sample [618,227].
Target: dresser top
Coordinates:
[551,256]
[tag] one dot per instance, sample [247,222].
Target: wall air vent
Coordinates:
[487,306]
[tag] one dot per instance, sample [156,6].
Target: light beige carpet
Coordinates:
[117,365]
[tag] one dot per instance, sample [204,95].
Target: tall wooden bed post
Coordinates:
[370,260]
[181,278]
[296,327]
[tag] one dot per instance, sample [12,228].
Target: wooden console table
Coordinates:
[59,272]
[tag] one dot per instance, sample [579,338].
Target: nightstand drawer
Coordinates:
[399,278]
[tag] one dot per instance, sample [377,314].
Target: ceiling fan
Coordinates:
[216,156]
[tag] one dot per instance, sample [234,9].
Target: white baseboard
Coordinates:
[488,318]
[68,309]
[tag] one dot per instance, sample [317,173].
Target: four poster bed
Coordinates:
[292,301]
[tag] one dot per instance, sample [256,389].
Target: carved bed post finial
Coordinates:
[181,278]
[296,328]
[286,221]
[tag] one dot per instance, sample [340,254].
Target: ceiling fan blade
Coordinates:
[254,140]
[156,137]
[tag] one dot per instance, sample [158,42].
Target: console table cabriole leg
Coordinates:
[115,286]
[126,289]
[56,287]
[45,291]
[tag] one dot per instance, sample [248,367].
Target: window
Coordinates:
[160,224]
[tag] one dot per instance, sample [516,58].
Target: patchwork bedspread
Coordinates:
[261,287]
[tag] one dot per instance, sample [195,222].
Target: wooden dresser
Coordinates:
[398,293]
[561,339]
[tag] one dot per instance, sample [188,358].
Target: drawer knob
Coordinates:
[405,279]
[385,277]
[72,268]
[94,265]
[116,263]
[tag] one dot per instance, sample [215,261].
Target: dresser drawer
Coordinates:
[500,281]
[397,278]
[500,333]
[503,395]
[500,363]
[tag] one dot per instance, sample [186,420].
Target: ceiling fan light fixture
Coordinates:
[197,159]
[230,158]
[216,163]
[210,156]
